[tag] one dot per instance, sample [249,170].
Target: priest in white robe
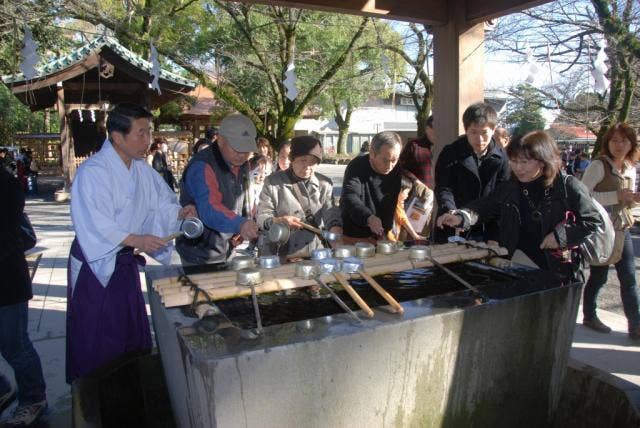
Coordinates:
[119,203]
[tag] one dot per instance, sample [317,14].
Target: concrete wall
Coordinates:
[593,398]
[498,364]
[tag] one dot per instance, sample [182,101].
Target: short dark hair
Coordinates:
[540,146]
[629,133]
[406,183]
[209,133]
[123,115]
[481,114]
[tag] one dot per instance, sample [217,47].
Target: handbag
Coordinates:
[597,248]
[27,234]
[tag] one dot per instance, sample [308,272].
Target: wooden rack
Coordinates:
[222,285]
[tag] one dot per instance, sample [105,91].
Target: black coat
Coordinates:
[459,181]
[366,193]
[159,163]
[15,284]
[503,206]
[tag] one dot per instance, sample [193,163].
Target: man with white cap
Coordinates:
[216,181]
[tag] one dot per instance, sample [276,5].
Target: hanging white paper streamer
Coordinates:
[155,69]
[290,82]
[599,71]
[29,55]
[533,69]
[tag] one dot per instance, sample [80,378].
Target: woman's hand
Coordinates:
[292,221]
[549,242]
[448,219]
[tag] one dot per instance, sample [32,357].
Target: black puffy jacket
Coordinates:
[567,193]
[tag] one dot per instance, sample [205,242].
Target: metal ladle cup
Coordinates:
[279,233]
[191,228]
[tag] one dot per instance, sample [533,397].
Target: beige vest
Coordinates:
[614,182]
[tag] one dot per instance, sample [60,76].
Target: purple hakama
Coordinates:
[105,323]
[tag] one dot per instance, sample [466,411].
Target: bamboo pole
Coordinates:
[220,277]
[185,297]
[373,266]
[197,278]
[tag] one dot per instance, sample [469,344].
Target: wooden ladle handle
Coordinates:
[354,294]
[311,228]
[385,295]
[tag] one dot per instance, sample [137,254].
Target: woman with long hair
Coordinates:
[611,181]
[532,207]
[265,149]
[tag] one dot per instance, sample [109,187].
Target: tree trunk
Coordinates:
[286,129]
[343,127]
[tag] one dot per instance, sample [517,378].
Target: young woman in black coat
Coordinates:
[532,207]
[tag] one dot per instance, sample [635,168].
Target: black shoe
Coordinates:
[634,332]
[597,325]
[7,399]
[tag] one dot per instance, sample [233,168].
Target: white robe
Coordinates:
[109,202]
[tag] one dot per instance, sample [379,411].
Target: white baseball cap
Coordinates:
[240,132]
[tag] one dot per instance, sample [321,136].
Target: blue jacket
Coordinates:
[218,191]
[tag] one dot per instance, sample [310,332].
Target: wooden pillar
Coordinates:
[458,72]
[195,131]
[66,141]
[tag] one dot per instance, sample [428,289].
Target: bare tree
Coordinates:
[566,35]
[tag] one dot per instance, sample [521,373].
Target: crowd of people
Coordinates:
[484,186]
[24,167]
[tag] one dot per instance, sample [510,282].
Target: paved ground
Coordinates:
[614,353]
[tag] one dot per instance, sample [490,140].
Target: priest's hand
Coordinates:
[145,243]
[188,211]
[249,230]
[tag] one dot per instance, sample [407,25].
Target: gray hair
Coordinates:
[389,138]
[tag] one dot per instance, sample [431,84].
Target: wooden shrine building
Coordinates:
[83,86]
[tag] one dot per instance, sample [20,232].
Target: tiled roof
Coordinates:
[90,48]
[572,131]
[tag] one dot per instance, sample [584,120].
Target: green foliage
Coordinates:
[239,51]
[15,117]
[523,110]
[364,74]
[39,15]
